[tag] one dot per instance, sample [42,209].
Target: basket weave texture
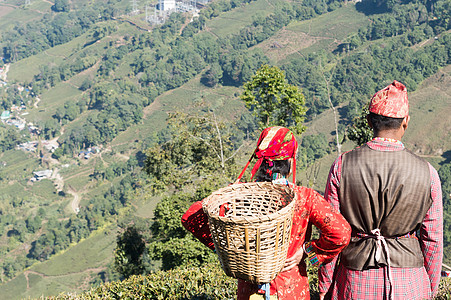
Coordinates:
[250,224]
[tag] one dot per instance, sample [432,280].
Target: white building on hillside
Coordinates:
[166,4]
[38,175]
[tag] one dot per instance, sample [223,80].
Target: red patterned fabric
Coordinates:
[310,209]
[274,143]
[391,101]
[409,283]
[196,221]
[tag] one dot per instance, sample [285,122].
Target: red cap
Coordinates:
[391,101]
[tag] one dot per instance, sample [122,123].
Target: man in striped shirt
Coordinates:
[392,200]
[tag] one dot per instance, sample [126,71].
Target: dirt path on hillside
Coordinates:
[57,179]
[37,102]
[74,204]
[5,72]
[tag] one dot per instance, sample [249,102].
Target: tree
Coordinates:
[61,5]
[170,241]
[129,252]
[200,148]
[274,101]
[360,132]
[312,148]
[212,76]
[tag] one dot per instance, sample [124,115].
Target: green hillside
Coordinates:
[111,90]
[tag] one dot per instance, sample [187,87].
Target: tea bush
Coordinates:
[206,282]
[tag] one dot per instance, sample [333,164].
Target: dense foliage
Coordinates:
[27,39]
[129,252]
[273,101]
[361,68]
[10,137]
[360,132]
[206,282]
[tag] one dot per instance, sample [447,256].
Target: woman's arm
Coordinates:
[335,230]
[196,222]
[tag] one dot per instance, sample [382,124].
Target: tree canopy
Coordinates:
[273,100]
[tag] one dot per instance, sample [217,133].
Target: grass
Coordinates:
[9,17]
[337,24]
[81,178]
[51,100]
[428,133]
[90,252]
[78,79]
[16,187]
[233,21]
[19,165]
[66,271]
[221,99]
[323,32]
[147,208]
[45,190]
[4,11]
[40,6]
[79,121]
[16,287]
[25,69]
[14,190]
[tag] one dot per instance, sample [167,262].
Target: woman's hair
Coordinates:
[384,123]
[265,171]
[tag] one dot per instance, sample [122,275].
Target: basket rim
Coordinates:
[251,219]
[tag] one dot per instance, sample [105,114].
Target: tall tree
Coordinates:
[61,5]
[129,253]
[200,147]
[273,100]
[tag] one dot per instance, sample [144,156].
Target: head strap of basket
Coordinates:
[274,143]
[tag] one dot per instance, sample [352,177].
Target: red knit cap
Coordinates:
[391,101]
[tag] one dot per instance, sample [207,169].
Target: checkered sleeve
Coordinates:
[431,233]
[325,272]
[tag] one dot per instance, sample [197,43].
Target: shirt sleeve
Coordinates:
[326,271]
[196,221]
[335,230]
[431,233]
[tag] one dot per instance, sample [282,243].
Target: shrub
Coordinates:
[207,282]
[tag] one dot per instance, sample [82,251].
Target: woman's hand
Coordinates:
[293,261]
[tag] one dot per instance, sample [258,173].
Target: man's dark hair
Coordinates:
[278,166]
[384,123]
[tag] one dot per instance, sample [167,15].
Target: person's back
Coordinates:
[392,196]
[276,160]
[387,194]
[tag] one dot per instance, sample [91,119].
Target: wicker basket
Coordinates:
[250,224]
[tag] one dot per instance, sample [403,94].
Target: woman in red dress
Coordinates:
[276,153]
